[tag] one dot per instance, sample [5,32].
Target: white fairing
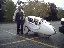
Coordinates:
[44,27]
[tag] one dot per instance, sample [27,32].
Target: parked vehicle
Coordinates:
[38,25]
[61,29]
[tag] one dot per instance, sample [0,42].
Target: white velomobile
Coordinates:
[38,25]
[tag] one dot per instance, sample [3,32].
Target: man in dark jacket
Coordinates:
[18,17]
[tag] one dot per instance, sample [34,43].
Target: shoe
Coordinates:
[26,34]
[22,33]
[17,33]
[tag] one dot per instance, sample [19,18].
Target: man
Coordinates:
[18,17]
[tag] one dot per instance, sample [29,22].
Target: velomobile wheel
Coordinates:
[26,30]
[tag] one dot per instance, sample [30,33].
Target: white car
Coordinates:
[38,25]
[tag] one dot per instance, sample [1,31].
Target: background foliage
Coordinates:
[48,11]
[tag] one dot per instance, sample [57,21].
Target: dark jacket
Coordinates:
[19,16]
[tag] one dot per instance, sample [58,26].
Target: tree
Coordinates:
[53,12]
[29,8]
[45,10]
[9,8]
[37,9]
[60,13]
[42,10]
[1,13]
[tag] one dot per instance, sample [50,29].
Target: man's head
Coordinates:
[19,8]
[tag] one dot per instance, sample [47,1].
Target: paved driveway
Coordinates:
[9,38]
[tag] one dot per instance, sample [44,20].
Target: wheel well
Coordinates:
[28,29]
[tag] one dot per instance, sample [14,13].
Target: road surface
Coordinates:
[9,38]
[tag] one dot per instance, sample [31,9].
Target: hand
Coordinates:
[13,20]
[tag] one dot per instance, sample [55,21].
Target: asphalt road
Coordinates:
[9,38]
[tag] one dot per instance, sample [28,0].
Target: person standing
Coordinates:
[18,17]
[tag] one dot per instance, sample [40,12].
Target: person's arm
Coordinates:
[14,15]
[22,11]
[22,14]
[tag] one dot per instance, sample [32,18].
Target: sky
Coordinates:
[58,3]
